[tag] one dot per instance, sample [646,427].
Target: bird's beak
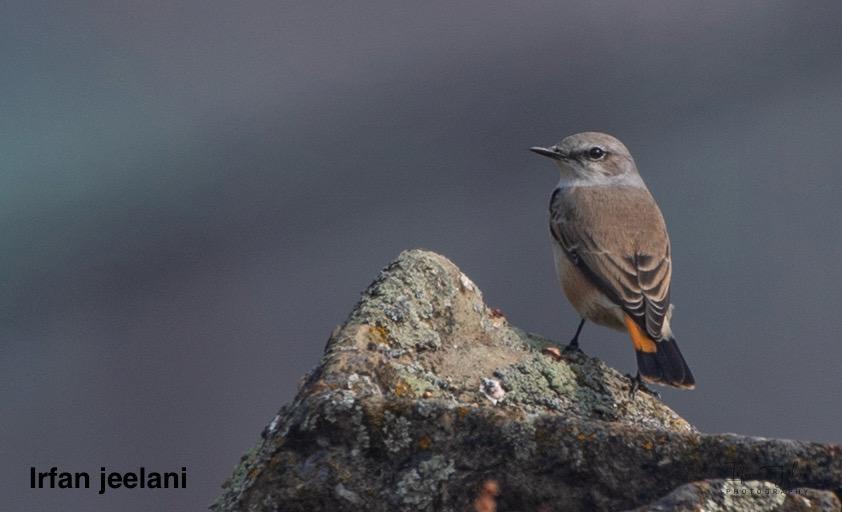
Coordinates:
[550,152]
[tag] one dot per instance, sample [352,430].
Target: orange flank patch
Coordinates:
[642,342]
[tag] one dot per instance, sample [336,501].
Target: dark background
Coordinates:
[194,193]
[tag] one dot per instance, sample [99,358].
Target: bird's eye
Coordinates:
[596,153]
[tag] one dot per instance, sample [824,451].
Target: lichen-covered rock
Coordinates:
[426,398]
[744,496]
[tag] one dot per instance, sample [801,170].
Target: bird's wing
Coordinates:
[617,237]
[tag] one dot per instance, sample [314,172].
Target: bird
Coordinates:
[612,253]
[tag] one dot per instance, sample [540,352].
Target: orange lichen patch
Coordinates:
[648,445]
[424,443]
[581,437]
[427,393]
[379,334]
[462,411]
[642,342]
[402,389]
[486,500]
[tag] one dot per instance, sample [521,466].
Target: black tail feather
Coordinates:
[665,366]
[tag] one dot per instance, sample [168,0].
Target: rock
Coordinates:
[743,496]
[426,399]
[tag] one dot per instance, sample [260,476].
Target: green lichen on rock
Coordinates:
[538,382]
[425,393]
[419,486]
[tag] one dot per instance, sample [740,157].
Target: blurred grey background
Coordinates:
[194,194]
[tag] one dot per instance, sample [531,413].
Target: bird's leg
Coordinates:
[573,346]
[636,383]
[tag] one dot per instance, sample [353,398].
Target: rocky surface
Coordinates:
[426,399]
[743,496]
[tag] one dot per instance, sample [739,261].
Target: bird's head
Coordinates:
[590,155]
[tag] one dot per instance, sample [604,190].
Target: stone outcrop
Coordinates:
[427,399]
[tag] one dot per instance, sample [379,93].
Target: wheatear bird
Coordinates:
[612,251]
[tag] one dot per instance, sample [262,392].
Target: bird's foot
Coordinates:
[572,348]
[636,384]
[553,352]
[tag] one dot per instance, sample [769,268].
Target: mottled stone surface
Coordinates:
[425,396]
[723,495]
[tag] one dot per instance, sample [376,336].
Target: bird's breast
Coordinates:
[584,296]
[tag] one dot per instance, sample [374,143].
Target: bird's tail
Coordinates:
[659,361]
